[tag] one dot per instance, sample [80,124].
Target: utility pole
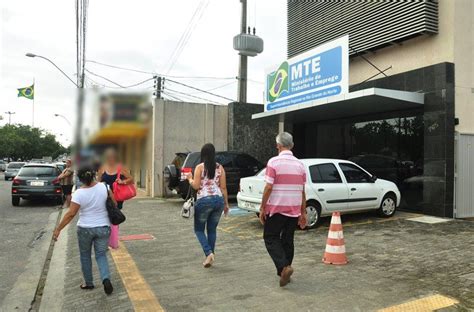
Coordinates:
[10,116]
[158,86]
[242,89]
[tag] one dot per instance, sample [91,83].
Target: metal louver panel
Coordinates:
[371,24]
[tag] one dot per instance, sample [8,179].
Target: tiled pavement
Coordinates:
[391,262]
[76,299]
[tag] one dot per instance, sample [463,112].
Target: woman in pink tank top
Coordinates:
[209,181]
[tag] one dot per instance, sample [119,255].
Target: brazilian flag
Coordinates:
[28,92]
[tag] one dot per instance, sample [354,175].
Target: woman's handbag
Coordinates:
[188,207]
[123,192]
[116,216]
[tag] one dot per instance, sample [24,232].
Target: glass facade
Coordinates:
[389,147]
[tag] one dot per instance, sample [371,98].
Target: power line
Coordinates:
[218,87]
[197,89]
[184,39]
[119,85]
[193,96]
[173,97]
[155,73]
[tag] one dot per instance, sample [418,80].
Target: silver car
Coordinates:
[12,170]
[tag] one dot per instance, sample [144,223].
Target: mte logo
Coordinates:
[278,83]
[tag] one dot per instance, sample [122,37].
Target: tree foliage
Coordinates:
[24,142]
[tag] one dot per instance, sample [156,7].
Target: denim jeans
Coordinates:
[207,212]
[99,238]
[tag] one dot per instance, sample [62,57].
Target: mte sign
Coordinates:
[319,73]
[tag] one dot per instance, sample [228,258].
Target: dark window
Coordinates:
[325,173]
[225,159]
[354,174]
[15,165]
[38,172]
[192,160]
[246,162]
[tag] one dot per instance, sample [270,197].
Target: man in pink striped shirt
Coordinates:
[283,205]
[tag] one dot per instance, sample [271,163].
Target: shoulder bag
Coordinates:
[187,211]
[116,216]
[123,192]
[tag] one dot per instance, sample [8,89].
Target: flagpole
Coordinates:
[33,122]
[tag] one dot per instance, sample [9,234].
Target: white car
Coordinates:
[332,185]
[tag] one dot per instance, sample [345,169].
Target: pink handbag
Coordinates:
[114,236]
[123,192]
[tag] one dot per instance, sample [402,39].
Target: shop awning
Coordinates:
[358,103]
[116,132]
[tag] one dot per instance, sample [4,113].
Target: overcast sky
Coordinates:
[140,34]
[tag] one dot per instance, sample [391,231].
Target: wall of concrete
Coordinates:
[411,54]
[254,137]
[464,62]
[181,127]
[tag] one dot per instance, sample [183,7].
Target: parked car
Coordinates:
[332,185]
[237,165]
[12,170]
[3,165]
[36,181]
[61,166]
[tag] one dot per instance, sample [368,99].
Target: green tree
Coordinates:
[24,142]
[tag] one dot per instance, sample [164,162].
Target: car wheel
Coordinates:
[171,176]
[388,206]
[6,179]
[59,201]
[313,212]
[15,201]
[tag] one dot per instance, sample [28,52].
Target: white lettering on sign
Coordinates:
[310,67]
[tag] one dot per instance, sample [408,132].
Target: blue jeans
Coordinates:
[99,237]
[207,212]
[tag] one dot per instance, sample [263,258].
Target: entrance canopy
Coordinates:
[363,102]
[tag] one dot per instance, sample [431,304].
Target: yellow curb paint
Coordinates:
[139,292]
[426,304]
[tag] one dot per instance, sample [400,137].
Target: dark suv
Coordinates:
[36,181]
[237,165]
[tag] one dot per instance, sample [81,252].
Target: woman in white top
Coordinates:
[93,227]
[209,180]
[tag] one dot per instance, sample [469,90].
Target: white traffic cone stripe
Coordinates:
[335,249]
[335,235]
[336,220]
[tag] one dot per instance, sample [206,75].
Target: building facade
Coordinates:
[411,92]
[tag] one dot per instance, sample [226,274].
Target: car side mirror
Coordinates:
[373,179]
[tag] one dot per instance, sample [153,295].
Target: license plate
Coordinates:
[249,205]
[37,183]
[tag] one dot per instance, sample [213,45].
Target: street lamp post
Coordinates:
[10,116]
[80,100]
[47,59]
[63,117]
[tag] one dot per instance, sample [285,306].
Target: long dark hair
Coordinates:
[208,157]
[86,175]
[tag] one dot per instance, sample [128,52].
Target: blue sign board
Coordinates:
[319,73]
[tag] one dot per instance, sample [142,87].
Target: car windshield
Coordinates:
[38,172]
[15,165]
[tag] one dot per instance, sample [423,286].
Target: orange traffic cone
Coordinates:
[335,249]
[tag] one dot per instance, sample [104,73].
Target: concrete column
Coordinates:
[158,152]
[281,123]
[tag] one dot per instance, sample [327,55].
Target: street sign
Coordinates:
[316,74]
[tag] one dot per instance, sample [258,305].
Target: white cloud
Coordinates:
[140,34]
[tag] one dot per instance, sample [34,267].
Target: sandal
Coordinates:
[85,287]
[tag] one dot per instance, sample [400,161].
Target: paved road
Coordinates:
[21,231]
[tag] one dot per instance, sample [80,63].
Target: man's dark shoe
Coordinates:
[108,288]
[286,275]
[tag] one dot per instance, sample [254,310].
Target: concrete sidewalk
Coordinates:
[392,261]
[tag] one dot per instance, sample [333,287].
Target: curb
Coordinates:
[52,298]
